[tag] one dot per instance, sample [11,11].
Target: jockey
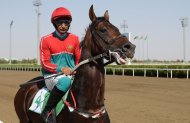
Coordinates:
[59,52]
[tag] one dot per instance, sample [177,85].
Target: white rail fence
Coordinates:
[158,70]
[18,68]
[169,72]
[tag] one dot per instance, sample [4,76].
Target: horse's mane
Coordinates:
[87,37]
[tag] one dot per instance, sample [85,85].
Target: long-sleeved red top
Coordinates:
[55,53]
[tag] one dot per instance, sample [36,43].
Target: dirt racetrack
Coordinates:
[128,99]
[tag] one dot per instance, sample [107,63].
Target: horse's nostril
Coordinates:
[127,46]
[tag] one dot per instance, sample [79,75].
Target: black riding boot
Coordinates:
[48,113]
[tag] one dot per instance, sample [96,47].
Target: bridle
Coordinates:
[96,33]
[102,43]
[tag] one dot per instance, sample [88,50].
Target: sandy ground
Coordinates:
[128,99]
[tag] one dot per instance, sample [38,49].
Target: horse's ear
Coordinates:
[106,15]
[92,14]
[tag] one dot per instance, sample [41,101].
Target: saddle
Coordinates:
[40,100]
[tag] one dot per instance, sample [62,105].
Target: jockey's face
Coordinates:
[62,25]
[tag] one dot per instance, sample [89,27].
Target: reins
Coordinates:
[76,67]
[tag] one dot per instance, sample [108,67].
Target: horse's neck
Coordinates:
[89,84]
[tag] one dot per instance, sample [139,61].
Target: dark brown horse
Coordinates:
[102,40]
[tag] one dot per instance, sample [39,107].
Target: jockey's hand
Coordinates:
[66,70]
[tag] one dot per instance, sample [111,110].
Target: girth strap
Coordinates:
[86,114]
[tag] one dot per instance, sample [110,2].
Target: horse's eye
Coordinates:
[103,30]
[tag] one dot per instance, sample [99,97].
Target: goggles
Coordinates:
[60,22]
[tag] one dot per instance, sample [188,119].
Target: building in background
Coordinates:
[128,35]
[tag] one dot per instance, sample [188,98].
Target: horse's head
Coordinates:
[107,38]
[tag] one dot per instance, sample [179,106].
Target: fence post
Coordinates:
[123,72]
[105,70]
[133,72]
[145,72]
[187,74]
[157,73]
[171,73]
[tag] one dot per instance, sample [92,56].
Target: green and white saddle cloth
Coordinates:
[40,100]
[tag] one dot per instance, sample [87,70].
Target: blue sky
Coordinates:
[158,19]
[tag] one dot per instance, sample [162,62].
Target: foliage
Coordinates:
[14,61]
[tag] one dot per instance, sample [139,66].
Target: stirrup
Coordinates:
[49,117]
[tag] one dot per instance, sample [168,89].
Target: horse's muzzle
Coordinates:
[120,54]
[128,50]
